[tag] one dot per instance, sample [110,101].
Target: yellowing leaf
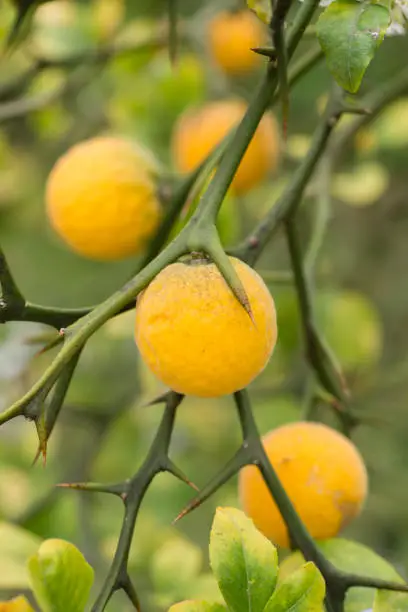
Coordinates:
[60,577]
[19,604]
[302,591]
[351,557]
[244,562]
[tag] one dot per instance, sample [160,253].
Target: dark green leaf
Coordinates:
[349,33]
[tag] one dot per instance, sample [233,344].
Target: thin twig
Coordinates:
[289,201]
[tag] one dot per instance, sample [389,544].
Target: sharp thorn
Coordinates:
[160,399]
[186,511]
[269,52]
[91,487]
[173,469]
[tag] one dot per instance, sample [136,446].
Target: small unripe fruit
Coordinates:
[198,131]
[194,334]
[323,474]
[101,198]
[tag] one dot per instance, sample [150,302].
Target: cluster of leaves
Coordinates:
[244,564]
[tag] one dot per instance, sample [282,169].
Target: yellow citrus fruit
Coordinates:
[321,471]
[19,604]
[198,131]
[196,337]
[231,36]
[101,198]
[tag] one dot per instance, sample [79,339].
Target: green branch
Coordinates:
[290,200]
[11,297]
[132,493]
[318,354]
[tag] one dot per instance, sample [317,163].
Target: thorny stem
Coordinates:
[199,234]
[337,582]
[321,218]
[133,492]
[257,456]
[318,354]
[14,309]
[201,227]
[290,200]
[215,194]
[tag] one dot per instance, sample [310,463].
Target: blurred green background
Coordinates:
[105,428]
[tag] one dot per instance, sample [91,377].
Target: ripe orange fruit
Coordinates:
[231,36]
[196,337]
[101,198]
[321,471]
[198,131]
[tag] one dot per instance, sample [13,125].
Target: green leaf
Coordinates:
[350,557]
[60,577]
[16,546]
[349,33]
[302,591]
[244,562]
[262,8]
[197,606]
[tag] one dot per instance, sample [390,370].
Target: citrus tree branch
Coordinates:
[289,201]
[15,308]
[337,581]
[211,202]
[198,235]
[318,353]
[11,300]
[132,492]
[321,215]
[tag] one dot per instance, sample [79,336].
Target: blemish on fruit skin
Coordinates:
[325,479]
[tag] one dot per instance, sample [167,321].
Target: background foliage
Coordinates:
[105,429]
